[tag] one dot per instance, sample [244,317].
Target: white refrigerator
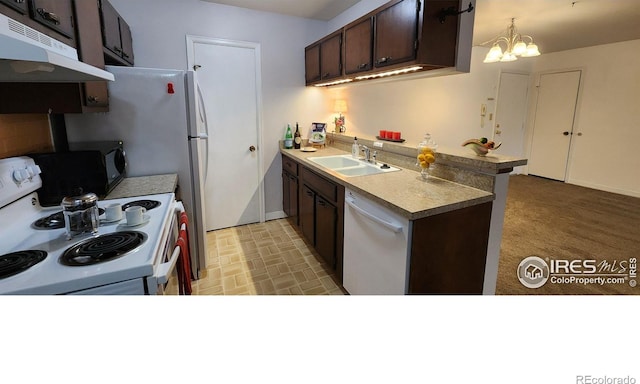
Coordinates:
[160,117]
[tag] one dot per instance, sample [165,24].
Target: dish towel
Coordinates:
[184,261]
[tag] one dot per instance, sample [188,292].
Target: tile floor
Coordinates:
[268,258]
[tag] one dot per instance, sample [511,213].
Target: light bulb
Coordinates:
[508,57]
[519,48]
[532,50]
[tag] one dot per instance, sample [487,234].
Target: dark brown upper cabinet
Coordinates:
[59,98]
[18,5]
[53,18]
[54,14]
[331,57]
[402,34]
[94,94]
[358,46]
[116,36]
[323,59]
[396,33]
[312,63]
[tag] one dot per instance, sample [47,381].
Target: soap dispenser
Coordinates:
[355,148]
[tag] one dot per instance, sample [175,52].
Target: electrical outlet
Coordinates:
[378,144]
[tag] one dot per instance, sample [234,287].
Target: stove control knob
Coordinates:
[35,169]
[20,175]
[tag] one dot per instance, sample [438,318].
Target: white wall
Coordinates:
[606,156]
[448,107]
[359,9]
[159,28]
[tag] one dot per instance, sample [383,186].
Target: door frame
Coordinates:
[532,114]
[191,40]
[525,117]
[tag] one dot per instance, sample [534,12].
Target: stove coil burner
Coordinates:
[103,248]
[16,262]
[148,204]
[55,221]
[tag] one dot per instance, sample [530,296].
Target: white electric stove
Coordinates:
[37,259]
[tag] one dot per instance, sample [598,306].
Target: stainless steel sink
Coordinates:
[348,166]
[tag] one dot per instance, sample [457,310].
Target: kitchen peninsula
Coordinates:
[456,215]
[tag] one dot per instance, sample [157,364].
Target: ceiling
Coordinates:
[555,25]
[310,9]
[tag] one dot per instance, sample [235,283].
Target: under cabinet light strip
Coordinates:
[389,73]
[334,83]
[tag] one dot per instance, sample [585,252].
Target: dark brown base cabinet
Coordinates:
[290,189]
[320,211]
[449,251]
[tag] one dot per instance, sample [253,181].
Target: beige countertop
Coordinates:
[144,185]
[404,191]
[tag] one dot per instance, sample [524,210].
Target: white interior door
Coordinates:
[553,124]
[229,76]
[511,111]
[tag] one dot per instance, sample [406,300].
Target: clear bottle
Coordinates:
[288,138]
[297,138]
[355,148]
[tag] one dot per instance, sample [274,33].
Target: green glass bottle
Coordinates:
[288,138]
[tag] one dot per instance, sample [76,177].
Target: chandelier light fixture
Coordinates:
[516,45]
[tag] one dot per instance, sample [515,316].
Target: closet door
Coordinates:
[554,123]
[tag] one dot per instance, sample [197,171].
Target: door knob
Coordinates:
[252,148]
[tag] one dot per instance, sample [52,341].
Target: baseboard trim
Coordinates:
[604,188]
[275,215]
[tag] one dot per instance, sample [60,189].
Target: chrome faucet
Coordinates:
[367,152]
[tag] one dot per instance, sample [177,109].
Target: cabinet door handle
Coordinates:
[383,60]
[363,66]
[309,193]
[49,16]
[252,148]
[93,99]
[566,133]
[117,49]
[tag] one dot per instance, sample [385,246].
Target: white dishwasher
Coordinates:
[375,248]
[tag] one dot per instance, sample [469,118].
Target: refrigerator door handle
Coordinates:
[205,135]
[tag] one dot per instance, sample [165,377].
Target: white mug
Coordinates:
[135,215]
[113,212]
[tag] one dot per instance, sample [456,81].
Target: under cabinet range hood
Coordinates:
[27,55]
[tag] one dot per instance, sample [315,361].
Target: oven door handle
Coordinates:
[165,269]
